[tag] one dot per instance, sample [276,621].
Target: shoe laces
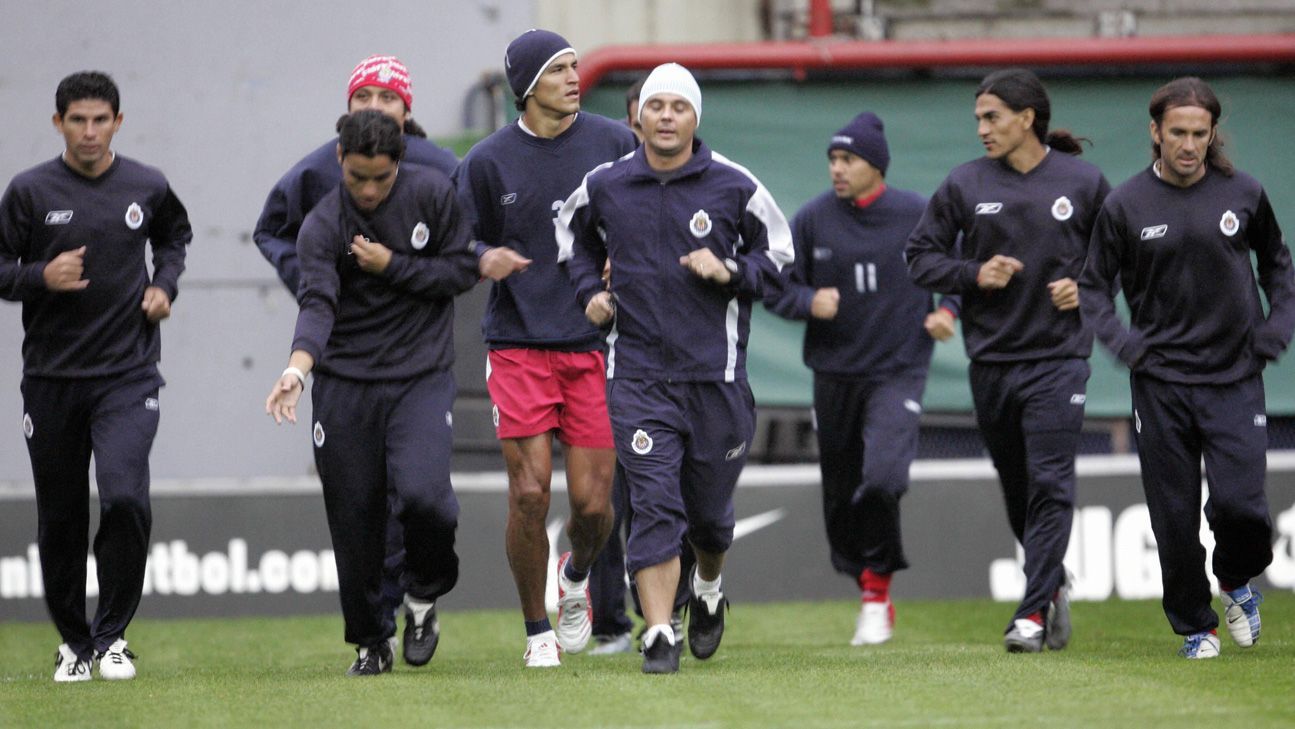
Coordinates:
[117,655]
[369,659]
[75,667]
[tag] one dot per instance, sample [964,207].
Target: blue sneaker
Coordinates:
[1242,614]
[1200,645]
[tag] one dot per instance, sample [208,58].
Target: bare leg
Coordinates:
[656,586]
[589,482]
[530,470]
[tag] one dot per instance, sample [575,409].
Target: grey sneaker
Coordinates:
[607,645]
[422,631]
[1025,636]
[1056,621]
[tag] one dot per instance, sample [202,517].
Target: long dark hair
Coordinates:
[1191,91]
[1020,90]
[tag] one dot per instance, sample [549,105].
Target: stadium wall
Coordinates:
[229,547]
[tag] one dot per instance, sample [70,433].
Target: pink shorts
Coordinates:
[538,390]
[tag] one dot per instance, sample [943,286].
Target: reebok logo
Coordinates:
[508,198]
[988,208]
[1078,399]
[58,217]
[1261,421]
[1154,231]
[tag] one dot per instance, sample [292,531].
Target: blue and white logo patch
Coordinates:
[419,237]
[988,208]
[641,442]
[1062,209]
[134,216]
[58,217]
[1154,231]
[699,226]
[1229,224]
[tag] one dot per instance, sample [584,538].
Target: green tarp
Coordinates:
[779,130]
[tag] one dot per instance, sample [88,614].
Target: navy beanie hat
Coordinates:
[865,136]
[527,57]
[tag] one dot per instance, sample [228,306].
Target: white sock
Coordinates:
[419,607]
[705,587]
[650,636]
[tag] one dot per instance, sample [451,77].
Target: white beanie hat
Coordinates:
[671,78]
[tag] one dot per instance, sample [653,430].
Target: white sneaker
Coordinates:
[542,651]
[1200,645]
[68,667]
[115,663]
[575,611]
[1242,614]
[875,625]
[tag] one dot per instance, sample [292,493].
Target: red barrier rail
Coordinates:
[799,57]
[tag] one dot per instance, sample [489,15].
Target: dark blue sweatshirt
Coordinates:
[397,324]
[671,325]
[100,330]
[1182,256]
[511,185]
[879,328]
[303,186]
[1042,218]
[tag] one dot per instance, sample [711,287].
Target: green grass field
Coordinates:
[784,665]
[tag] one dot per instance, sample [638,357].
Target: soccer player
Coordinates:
[611,625]
[545,366]
[73,233]
[378,82]
[382,257]
[692,239]
[1179,237]
[1024,212]
[869,340]
[381,83]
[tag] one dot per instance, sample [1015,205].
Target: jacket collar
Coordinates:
[700,160]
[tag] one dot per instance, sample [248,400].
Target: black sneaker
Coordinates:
[421,636]
[706,623]
[660,655]
[373,660]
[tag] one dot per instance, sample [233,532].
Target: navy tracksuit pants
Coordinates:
[867,439]
[682,446]
[373,439]
[607,576]
[65,421]
[1030,415]
[1175,425]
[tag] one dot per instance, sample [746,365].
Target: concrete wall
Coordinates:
[224,97]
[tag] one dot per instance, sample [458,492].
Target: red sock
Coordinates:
[875,587]
[1036,617]
[1226,587]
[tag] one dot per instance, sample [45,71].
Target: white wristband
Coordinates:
[295,372]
